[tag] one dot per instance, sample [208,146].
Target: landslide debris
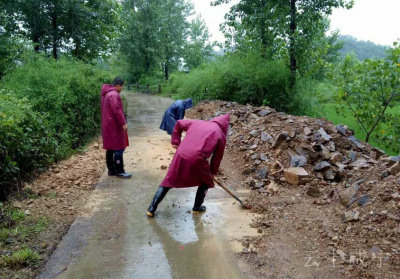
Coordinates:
[315,183]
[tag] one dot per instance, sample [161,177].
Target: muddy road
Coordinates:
[115,239]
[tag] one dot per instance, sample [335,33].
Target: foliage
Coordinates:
[157,35]
[49,108]
[59,26]
[197,49]
[369,89]
[281,29]
[239,78]
[363,50]
[20,258]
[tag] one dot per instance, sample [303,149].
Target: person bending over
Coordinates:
[175,112]
[190,167]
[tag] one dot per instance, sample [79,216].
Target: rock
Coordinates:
[96,146]
[360,163]
[262,173]
[379,152]
[356,142]
[331,146]
[396,196]
[329,175]
[348,196]
[395,169]
[351,216]
[163,167]
[341,129]
[324,134]
[273,188]
[373,155]
[254,156]
[337,158]
[259,231]
[263,157]
[341,254]
[253,147]
[314,191]
[262,191]
[307,131]
[296,176]
[322,166]
[265,137]
[259,185]
[257,162]
[298,161]
[247,171]
[264,112]
[279,139]
[255,133]
[363,200]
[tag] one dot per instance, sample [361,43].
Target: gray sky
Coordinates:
[374,20]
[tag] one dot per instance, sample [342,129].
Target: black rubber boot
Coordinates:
[119,167]
[110,163]
[199,200]
[158,197]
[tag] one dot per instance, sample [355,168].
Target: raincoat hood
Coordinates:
[107,88]
[223,122]
[188,103]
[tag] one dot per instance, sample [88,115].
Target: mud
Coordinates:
[115,239]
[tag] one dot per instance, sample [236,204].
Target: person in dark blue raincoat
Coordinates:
[174,113]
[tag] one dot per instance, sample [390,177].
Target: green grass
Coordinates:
[330,113]
[20,258]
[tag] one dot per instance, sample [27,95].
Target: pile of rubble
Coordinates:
[280,154]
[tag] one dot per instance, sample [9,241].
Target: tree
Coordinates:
[57,26]
[154,35]
[292,24]
[173,32]
[197,48]
[369,89]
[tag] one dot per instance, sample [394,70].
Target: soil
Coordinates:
[58,195]
[304,235]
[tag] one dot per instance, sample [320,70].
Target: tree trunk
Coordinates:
[35,41]
[55,34]
[147,62]
[166,70]
[262,27]
[77,51]
[292,47]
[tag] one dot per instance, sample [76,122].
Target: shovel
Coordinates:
[232,194]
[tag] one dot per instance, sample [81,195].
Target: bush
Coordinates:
[239,78]
[48,108]
[26,140]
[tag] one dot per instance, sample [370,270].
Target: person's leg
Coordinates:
[119,164]
[199,200]
[110,162]
[158,197]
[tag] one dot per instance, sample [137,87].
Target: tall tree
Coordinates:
[292,24]
[197,48]
[61,25]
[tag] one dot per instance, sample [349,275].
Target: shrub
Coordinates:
[239,78]
[48,108]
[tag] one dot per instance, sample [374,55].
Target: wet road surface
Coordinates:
[117,240]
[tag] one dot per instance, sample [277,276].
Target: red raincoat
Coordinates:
[190,167]
[112,119]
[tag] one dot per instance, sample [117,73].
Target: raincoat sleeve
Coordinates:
[117,110]
[180,126]
[217,156]
[180,112]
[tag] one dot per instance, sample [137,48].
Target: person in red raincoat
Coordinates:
[190,166]
[114,128]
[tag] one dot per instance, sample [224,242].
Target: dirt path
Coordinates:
[115,239]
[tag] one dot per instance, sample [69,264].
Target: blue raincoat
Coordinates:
[174,113]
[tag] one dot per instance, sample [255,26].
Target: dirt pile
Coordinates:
[58,196]
[316,182]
